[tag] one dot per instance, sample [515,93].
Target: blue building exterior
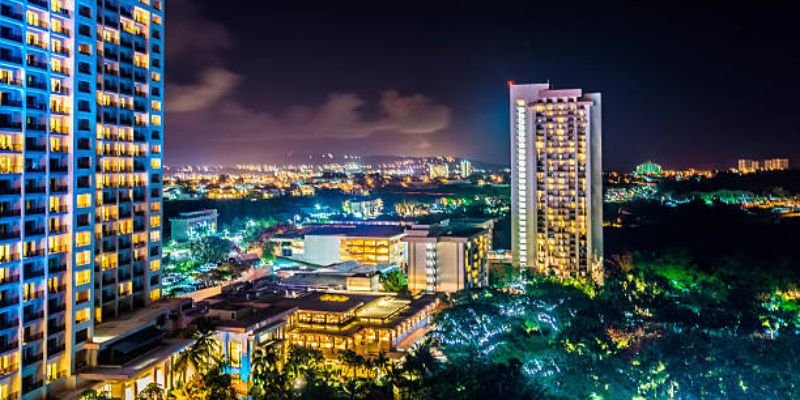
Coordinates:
[81,154]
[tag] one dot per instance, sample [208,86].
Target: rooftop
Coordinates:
[254,317]
[331,302]
[379,231]
[138,365]
[109,332]
[196,214]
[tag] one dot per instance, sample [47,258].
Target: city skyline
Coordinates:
[283,81]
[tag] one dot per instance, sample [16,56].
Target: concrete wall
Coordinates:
[322,250]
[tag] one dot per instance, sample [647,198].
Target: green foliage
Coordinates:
[394,281]
[211,250]
[503,275]
[151,392]
[92,394]
[660,327]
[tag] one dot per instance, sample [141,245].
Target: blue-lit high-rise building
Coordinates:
[81,143]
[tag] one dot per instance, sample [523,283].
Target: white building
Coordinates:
[556,180]
[196,223]
[449,256]
[465,168]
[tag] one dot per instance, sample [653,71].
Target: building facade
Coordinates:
[363,209]
[556,195]
[331,244]
[465,168]
[748,166]
[193,224]
[81,141]
[449,256]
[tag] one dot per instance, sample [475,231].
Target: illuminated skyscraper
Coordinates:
[81,141]
[465,168]
[556,196]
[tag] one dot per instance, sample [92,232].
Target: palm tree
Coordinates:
[151,392]
[268,381]
[351,359]
[199,355]
[380,364]
[92,394]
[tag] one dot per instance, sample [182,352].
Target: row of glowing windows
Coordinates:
[35,19]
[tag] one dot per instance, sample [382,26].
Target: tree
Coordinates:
[503,275]
[268,381]
[217,384]
[92,394]
[199,355]
[151,392]
[211,249]
[394,281]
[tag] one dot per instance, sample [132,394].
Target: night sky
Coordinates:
[273,81]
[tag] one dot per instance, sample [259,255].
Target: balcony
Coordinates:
[29,385]
[9,80]
[53,329]
[56,268]
[6,324]
[8,124]
[33,337]
[30,317]
[7,102]
[6,347]
[8,12]
[10,58]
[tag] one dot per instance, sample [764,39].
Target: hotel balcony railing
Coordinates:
[9,302]
[59,110]
[11,102]
[28,317]
[57,289]
[61,30]
[60,69]
[32,62]
[31,145]
[53,350]
[11,146]
[13,212]
[36,84]
[29,386]
[10,58]
[6,324]
[8,35]
[11,81]
[53,329]
[7,12]
[31,126]
[9,235]
[33,337]
[37,43]
[35,105]
[54,269]
[9,258]
[31,274]
[58,249]
[60,90]
[11,124]
[8,347]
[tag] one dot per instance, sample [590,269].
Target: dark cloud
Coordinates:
[205,106]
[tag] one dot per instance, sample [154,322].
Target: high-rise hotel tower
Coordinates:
[81,140]
[556,194]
